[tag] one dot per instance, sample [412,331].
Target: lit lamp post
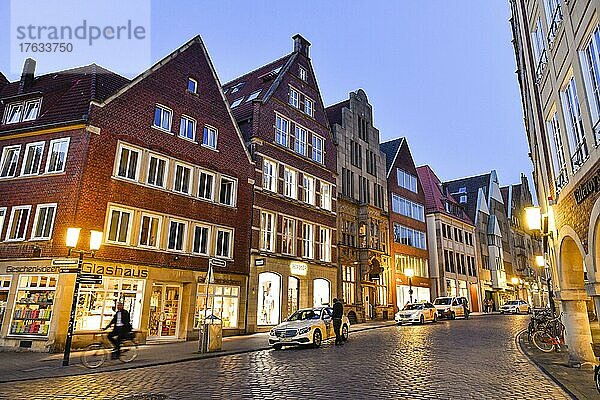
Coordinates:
[537,222]
[515,282]
[72,239]
[409,274]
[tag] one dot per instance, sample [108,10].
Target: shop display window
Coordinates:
[321,292]
[96,304]
[224,301]
[34,304]
[269,298]
[4,288]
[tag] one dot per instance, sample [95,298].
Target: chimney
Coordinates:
[301,45]
[27,75]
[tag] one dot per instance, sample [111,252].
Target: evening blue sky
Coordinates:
[441,73]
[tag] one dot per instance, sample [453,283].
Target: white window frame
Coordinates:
[131,149]
[3,211]
[191,177]
[590,63]
[559,164]
[308,240]
[294,100]
[9,108]
[4,157]
[282,137]
[29,147]
[184,125]
[309,106]
[302,73]
[183,240]
[290,183]
[158,233]
[325,244]
[308,191]
[325,195]
[195,83]
[208,238]
[28,103]
[233,190]
[318,153]
[236,102]
[288,223]
[165,173]
[36,221]
[267,231]
[231,239]
[212,133]
[573,120]
[270,175]
[301,132]
[11,222]
[50,151]
[129,225]
[163,110]
[23,105]
[411,180]
[212,186]
[253,95]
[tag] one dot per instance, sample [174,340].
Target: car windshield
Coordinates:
[413,307]
[512,303]
[303,315]
[443,302]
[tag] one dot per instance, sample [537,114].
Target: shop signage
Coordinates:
[217,262]
[69,269]
[259,262]
[587,188]
[64,262]
[92,279]
[114,270]
[48,269]
[298,268]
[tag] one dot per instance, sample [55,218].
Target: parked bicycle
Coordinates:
[596,348]
[539,318]
[97,353]
[550,336]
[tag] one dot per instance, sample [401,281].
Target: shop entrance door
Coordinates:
[164,311]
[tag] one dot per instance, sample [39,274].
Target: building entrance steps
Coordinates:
[16,366]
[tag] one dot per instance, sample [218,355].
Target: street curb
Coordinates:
[125,367]
[541,367]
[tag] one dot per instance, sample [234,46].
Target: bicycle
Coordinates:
[96,354]
[551,336]
[596,348]
[538,320]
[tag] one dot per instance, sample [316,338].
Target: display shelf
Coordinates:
[31,319]
[43,303]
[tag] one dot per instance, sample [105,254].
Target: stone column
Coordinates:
[597,306]
[578,336]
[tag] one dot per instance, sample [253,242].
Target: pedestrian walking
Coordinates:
[338,313]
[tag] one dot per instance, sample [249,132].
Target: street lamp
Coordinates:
[538,222]
[409,274]
[71,242]
[515,282]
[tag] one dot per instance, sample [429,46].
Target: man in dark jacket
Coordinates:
[122,326]
[338,313]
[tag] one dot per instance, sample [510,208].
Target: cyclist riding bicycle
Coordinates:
[122,329]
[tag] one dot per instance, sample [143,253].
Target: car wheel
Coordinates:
[345,332]
[422,320]
[277,346]
[317,338]
[452,315]
[502,312]
[435,317]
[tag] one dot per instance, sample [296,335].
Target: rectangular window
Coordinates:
[33,158]
[43,221]
[150,231]
[405,207]
[282,130]
[187,128]
[227,192]
[32,109]
[556,150]
[288,236]
[192,86]
[308,189]
[410,237]
[209,137]
[575,132]
[224,301]
[301,135]
[325,196]
[17,224]
[13,113]
[290,183]
[267,236]
[57,155]
[309,106]
[183,176]
[224,238]
[308,240]
[294,98]
[317,148]
[325,244]
[162,118]
[129,160]
[2,218]
[34,304]
[302,73]
[118,225]
[553,17]
[270,175]
[349,283]
[177,233]
[590,62]
[201,240]
[407,181]
[157,171]
[8,163]
[205,185]
[17,112]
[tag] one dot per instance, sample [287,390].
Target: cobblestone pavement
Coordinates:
[474,359]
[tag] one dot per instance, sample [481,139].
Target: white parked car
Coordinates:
[309,326]
[416,313]
[451,307]
[515,307]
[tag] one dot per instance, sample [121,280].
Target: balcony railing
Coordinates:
[580,155]
[541,64]
[561,179]
[557,18]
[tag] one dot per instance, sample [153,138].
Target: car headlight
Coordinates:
[304,330]
[272,332]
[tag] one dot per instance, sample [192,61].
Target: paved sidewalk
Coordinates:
[16,366]
[579,383]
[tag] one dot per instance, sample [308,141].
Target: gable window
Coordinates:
[294,98]
[22,111]
[163,117]
[128,163]
[253,96]
[32,109]
[223,245]
[150,231]
[301,135]
[8,163]
[13,113]
[308,240]
[290,183]
[118,225]
[575,133]
[267,236]
[57,155]
[325,196]
[192,86]
[270,175]
[32,159]
[205,185]
[237,87]
[237,102]
[590,61]
[17,224]
[201,239]
[209,137]
[177,235]
[182,182]
[302,73]
[288,235]
[227,192]
[282,129]
[187,128]
[43,221]
[325,244]
[309,106]
[407,181]
[308,189]
[157,170]
[317,148]
[556,150]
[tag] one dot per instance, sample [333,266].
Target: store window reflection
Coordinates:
[269,298]
[321,292]
[293,294]
[224,300]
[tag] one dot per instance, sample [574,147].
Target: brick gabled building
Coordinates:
[293,255]
[159,166]
[408,242]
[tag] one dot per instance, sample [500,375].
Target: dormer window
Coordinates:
[237,87]
[302,73]
[253,96]
[192,86]
[22,111]
[237,102]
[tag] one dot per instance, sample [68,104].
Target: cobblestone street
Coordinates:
[458,359]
